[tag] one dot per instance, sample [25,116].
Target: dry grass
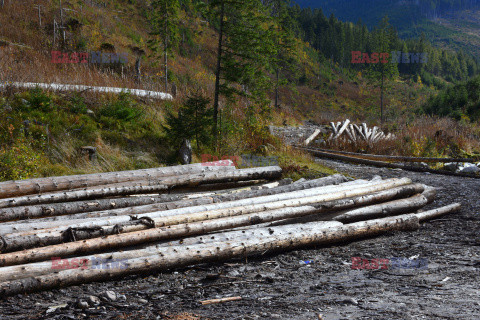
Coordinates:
[422,137]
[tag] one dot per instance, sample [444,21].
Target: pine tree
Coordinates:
[164,36]
[193,121]
[284,57]
[244,51]
[384,38]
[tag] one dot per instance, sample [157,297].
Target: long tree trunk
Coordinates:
[435,213]
[276,88]
[323,211]
[10,273]
[162,184]
[150,235]
[384,209]
[165,47]
[181,256]
[381,97]
[239,206]
[42,185]
[217,74]
[73,208]
[282,192]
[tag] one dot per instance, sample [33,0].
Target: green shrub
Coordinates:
[193,121]
[77,105]
[37,99]
[19,161]
[123,109]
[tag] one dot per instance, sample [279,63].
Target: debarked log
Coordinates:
[34,269]
[101,206]
[163,184]
[90,228]
[149,235]
[175,257]
[40,185]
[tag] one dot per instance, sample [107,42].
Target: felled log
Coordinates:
[313,136]
[386,209]
[220,300]
[381,164]
[246,206]
[35,269]
[283,192]
[398,158]
[222,175]
[186,255]
[360,132]
[351,133]
[70,208]
[41,185]
[435,213]
[149,235]
[334,128]
[342,129]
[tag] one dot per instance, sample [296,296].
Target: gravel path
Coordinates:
[285,287]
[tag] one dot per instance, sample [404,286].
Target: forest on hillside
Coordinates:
[372,10]
[335,40]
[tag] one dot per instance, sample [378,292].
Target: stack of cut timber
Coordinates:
[70,230]
[355,133]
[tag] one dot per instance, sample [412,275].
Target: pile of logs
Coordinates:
[356,133]
[54,231]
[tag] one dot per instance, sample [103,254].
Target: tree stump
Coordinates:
[90,151]
[185,152]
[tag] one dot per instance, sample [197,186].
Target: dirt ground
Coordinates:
[284,286]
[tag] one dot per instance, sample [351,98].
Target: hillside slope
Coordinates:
[449,24]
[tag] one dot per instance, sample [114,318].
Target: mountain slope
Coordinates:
[448,24]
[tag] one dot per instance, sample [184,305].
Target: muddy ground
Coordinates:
[285,287]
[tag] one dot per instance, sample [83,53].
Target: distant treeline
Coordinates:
[335,40]
[402,12]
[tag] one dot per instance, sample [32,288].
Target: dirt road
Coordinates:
[315,283]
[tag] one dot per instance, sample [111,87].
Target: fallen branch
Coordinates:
[221,300]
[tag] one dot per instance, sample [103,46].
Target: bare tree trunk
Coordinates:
[435,213]
[342,129]
[276,88]
[161,184]
[41,185]
[313,136]
[383,210]
[165,45]
[381,97]
[39,268]
[175,217]
[217,75]
[181,256]
[72,208]
[242,206]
